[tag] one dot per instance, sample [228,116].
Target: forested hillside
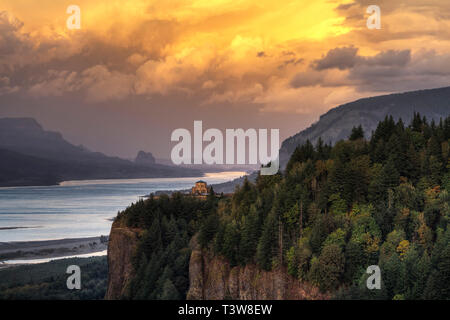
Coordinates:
[335,211]
[161,260]
[47,281]
[338,122]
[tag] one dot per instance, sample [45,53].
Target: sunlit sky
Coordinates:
[138,69]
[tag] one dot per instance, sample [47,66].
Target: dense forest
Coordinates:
[333,212]
[161,261]
[47,281]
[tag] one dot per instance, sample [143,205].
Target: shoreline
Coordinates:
[41,250]
[48,249]
[88,181]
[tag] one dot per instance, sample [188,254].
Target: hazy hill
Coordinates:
[29,155]
[337,123]
[21,170]
[144,158]
[26,136]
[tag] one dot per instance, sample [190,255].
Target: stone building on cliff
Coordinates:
[200,188]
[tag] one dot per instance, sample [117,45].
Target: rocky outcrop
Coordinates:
[144,158]
[212,278]
[121,248]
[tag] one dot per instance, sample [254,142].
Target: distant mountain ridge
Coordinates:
[338,122]
[29,155]
[26,135]
[46,157]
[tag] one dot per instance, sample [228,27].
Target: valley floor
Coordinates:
[12,252]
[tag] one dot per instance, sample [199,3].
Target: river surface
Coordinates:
[76,209]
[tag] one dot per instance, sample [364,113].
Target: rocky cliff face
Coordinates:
[121,247]
[212,278]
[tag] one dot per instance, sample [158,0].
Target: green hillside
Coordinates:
[334,212]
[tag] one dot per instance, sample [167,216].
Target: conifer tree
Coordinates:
[357,133]
[266,243]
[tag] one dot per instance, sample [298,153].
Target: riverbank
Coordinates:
[47,249]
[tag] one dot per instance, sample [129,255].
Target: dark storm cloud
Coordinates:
[401,71]
[341,58]
[386,71]
[347,57]
[307,79]
[401,19]
[11,39]
[393,58]
[345,6]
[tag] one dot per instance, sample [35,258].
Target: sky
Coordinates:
[137,70]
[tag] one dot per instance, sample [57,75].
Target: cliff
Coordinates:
[212,278]
[121,247]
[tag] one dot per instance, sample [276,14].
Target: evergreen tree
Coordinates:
[249,236]
[264,250]
[333,212]
[169,291]
[231,243]
[390,174]
[327,270]
[357,133]
[208,229]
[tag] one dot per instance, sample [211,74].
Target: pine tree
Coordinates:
[327,270]
[249,236]
[301,154]
[416,123]
[392,275]
[208,229]
[354,260]
[357,133]
[264,252]
[231,241]
[390,174]
[397,155]
[169,291]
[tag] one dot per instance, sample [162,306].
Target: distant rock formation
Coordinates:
[144,158]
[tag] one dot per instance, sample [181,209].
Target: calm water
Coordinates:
[79,208]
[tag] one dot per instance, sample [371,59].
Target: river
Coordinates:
[77,209]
